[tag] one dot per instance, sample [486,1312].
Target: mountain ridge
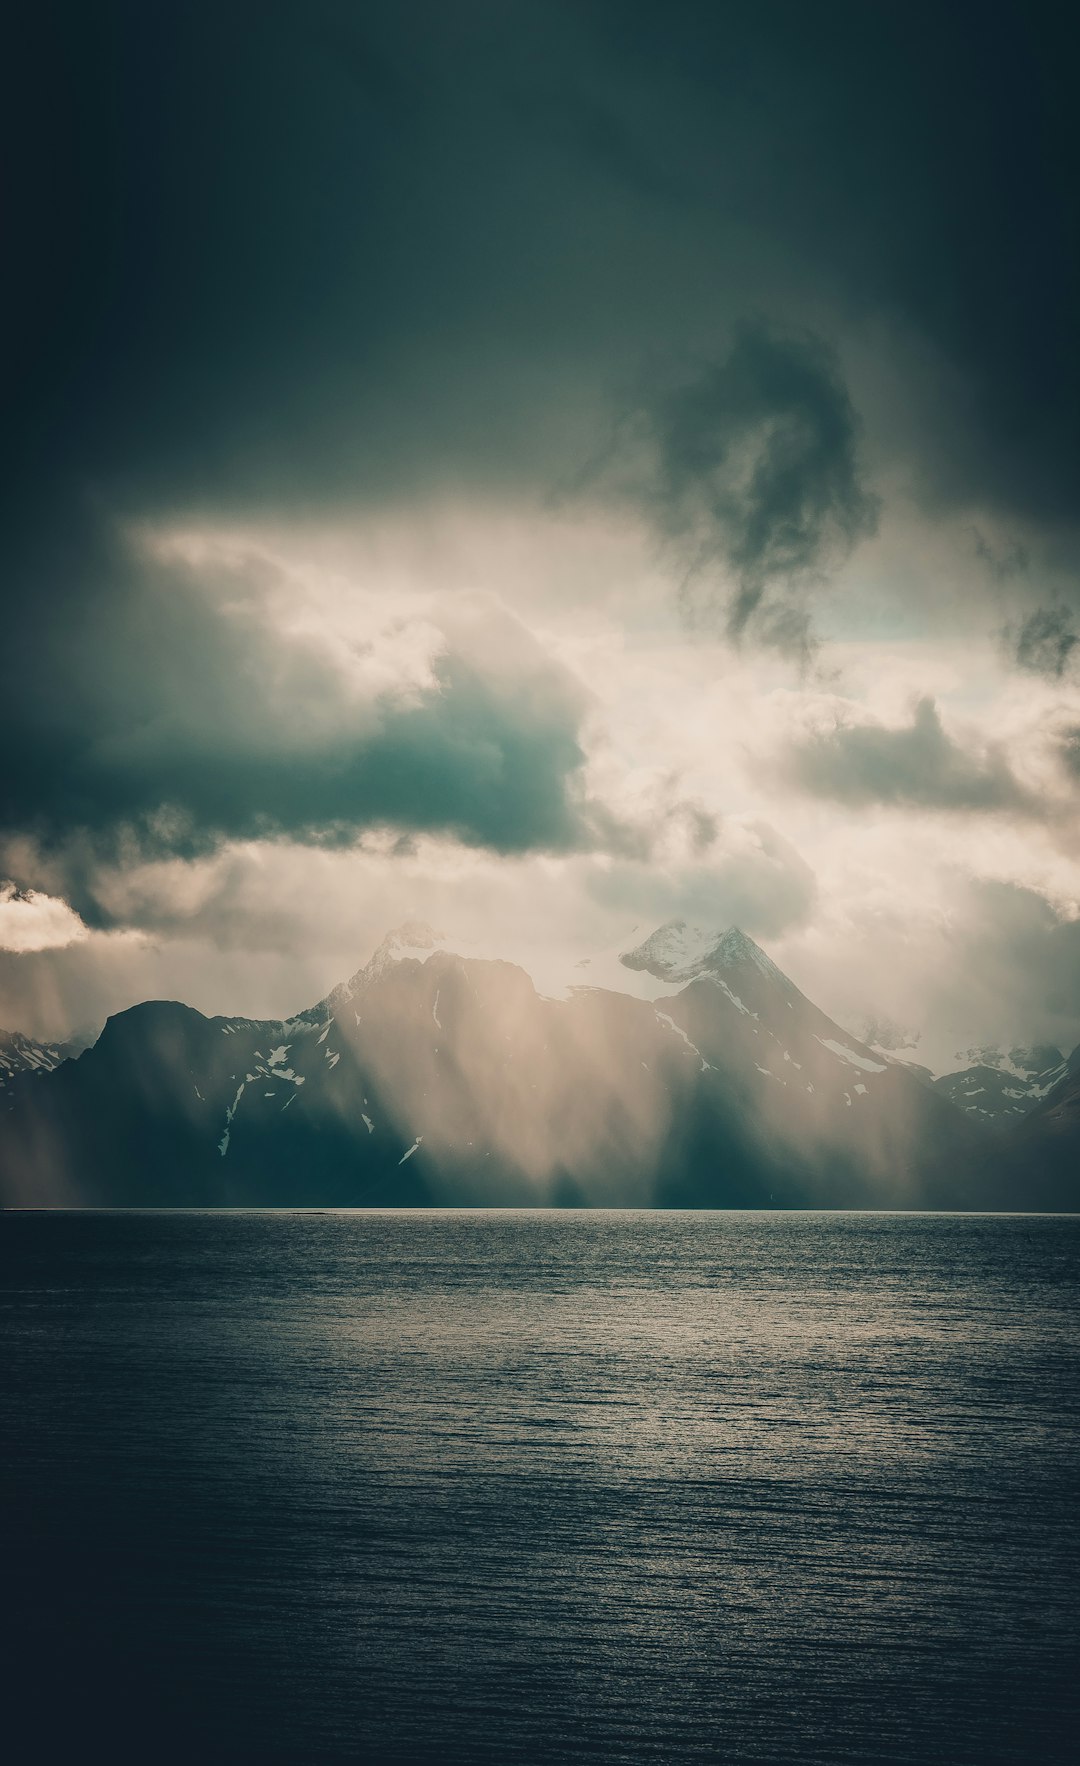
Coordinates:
[433,1076]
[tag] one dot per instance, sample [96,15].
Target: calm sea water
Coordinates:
[607,1487]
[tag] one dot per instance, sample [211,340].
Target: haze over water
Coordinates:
[564,1486]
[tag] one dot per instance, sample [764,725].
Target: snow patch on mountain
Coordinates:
[733,997]
[223,1143]
[843,1053]
[680,1032]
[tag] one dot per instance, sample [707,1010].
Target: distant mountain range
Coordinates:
[691,1072]
[22,1054]
[1000,1089]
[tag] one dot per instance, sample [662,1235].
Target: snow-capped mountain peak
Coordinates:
[678,951]
[413,939]
[735,949]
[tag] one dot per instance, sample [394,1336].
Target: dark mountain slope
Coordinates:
[824,1107]
[1039,1167]
[433,1077]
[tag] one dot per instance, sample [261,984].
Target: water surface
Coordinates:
[511,1486]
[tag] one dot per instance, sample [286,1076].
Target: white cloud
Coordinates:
[30,921]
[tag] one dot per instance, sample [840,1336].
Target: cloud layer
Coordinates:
[161,713]
[756,481]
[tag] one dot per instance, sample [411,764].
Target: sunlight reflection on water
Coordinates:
[548,1486]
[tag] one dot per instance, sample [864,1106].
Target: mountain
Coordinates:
[1037,1164]
[1056,1121]
[698,1075]
[22,1054]
[817,1093]
[1000,1090]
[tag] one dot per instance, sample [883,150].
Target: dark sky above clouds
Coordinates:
[786,293]
[305,251]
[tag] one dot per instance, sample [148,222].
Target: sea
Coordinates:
[563,1486]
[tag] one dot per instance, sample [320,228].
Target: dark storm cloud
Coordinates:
[156,714]
[1045,641]
[757,480]
[271,251]
[918,765]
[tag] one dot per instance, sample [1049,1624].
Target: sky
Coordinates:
[543,469]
